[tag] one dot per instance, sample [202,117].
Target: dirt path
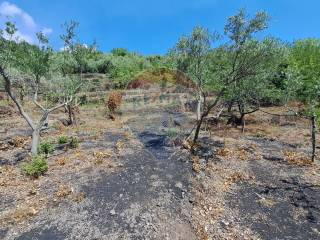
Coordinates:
[146,199]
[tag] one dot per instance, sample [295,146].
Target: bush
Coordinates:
[38,166]
[114,101]
[74,142]
[46,148]
[62,139]
[139,84]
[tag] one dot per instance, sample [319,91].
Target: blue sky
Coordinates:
[153,26]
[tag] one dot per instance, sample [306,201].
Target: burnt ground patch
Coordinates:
[148,198]
[283,206]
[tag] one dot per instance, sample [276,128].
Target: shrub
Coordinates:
[38,166]
[138,83]
[114,101]
[62,139]
[46,148]
[74,142]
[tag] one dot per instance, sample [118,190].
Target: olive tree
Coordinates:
[191,54]
[304,63]
[233,62]
[35,61]
[9,58]
[252,90]
[76,52]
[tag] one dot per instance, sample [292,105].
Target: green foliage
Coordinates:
[46,148]
[304,63]
[74,142]
[124,68]
[37,167]
[191,54]
[62,139]
[172,132]
[35,59]
[256,86]
[119,52]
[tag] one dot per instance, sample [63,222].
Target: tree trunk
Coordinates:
[35,141]
[70,114]
[230,105]
[242,121]
[196,134]
[313,137]
[46,122]
[199,109]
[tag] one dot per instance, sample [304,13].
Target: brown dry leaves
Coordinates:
[67,192]
[196,166]
[298,159]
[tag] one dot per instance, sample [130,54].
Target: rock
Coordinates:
[21,156]
[176,122]
[113,212]
[273,158]
[224,223]
[191,106]
[179,185]
[178,141]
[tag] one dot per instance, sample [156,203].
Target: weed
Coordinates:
[46,148]
[38,166]
[62,139]
[259,135]
[74,142]
[172,133]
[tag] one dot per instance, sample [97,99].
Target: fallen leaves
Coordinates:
[62,161]
[22,213]
[237,177]
[224,152]
[79,197]
[196,164]
[100,157]
[18,142]
[298,159]
[120,145]
[64,191]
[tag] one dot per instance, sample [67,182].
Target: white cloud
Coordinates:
[24,22]
[10,10]
[46,31]
[24,37]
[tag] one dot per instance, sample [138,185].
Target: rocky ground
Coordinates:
[132,179]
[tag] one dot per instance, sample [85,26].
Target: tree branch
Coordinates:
[14,99]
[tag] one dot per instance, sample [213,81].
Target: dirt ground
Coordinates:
[132,179]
